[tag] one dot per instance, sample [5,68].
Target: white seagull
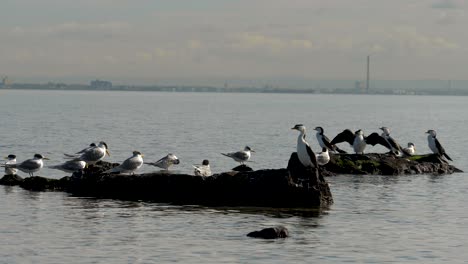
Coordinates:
[166,162]
[304,152]
[411,149]
[323,157]
[202,170]
[130,165]
[240,156]
[70,166]
[30,165]
[11,159]
[92,154]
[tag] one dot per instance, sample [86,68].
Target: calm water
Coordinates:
[375,219]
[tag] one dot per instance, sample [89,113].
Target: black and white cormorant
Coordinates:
[304,152]
[435,145]
[395,147]
[359,141]
[324,142]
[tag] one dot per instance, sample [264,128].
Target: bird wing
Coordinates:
[91,154]
[131,164]
[240,155]
[347,135]
[312,156]
[441,149]
[393,143]
[374,139]
[29,164]
[326,141]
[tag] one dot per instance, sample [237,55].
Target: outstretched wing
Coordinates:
[394,144]
[326,141]
[347,135]
[374,139]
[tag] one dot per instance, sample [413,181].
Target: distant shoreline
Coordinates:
[205,89]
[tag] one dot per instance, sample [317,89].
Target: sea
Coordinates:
[374,219]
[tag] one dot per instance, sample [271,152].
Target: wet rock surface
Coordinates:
[386,164]
[270,188]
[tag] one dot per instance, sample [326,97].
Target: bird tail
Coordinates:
[69,156]
[227,155]
[447,156]
[150,163]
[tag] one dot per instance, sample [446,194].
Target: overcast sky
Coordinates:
[156,41]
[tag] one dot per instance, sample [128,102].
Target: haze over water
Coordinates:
[375,219]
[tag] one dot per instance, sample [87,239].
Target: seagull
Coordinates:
[323,157]
[435,145]
[11,159]
[165,162]
[359,141]
[324,142]
[304,152]
[240,156]
[130,165]
[30,165]
[92,154]
[202,170]
[411,149]
[70,166]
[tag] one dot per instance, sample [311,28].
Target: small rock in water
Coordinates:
[270,233]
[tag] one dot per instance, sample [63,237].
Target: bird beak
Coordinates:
[5,158]
[107,152]
[142,155]
[252,150]
[45,158]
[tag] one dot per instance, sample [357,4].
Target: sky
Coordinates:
[213,41]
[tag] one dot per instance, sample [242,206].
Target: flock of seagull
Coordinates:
[94,153]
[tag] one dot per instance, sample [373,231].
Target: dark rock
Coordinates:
[38,183]
[11,180]
[269,188]
[242,167]
[385,164]
[270,233]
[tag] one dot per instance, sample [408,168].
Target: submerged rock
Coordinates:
[270,233]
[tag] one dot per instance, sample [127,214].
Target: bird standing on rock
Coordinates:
[11,159]
[435,145]
[129,165]
[304,152]
[202,170]
[166,162]
[240,156]
[30,165]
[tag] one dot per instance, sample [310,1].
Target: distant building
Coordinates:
[98,84]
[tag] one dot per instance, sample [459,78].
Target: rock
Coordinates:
[242,167]
[11,180]
[270,233]
[268,188]
[385,164]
